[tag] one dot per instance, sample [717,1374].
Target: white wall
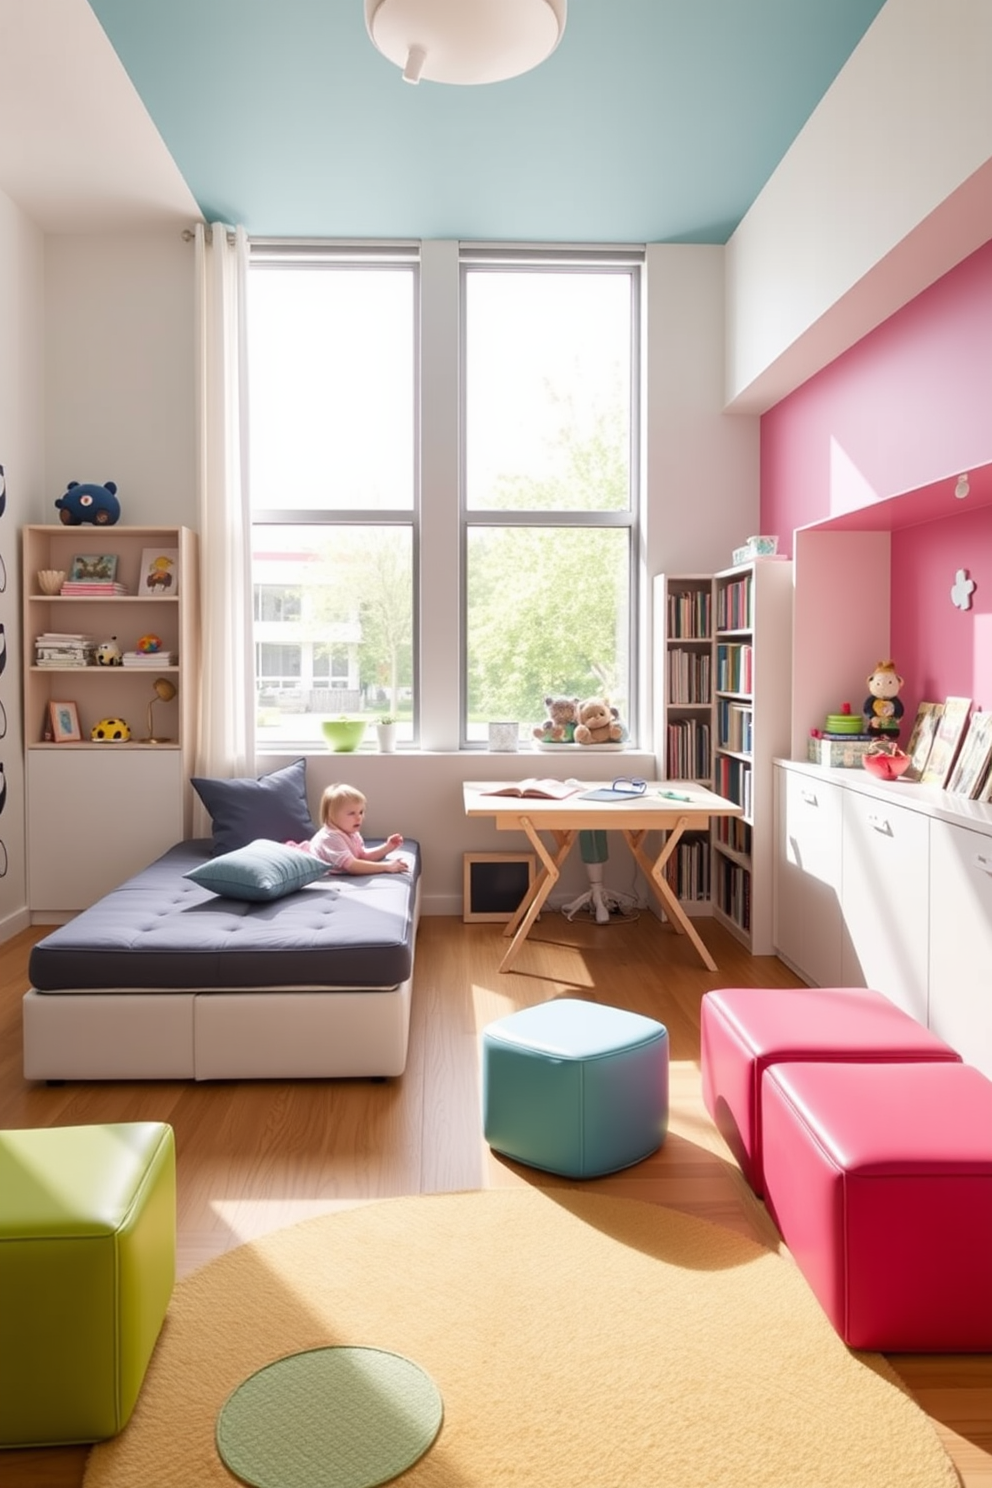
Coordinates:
[119,372]
[702,463]
[887,187]
[119,405]
[22,316]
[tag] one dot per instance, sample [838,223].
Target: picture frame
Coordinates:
[494,884]
[93,568]
[921,738]
[159,573]
[947,741]
[968,776]
[64,720]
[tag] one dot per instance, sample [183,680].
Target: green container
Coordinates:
[845,723]
[344,735]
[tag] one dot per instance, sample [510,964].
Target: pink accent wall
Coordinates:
[942,651]
[910,405]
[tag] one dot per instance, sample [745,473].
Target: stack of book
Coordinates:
[150,658]
[74,588]
[59,649]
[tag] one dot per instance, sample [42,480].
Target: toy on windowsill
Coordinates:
[883,708]
[559,726]
[599,723]
[89,503]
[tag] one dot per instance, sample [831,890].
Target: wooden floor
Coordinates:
[253,1157]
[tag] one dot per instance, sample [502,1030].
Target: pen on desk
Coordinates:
[674,796]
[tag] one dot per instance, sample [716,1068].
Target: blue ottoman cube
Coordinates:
[575,1088]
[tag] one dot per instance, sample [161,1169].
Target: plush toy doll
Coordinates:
[89,503]
[559,726]
[882,707]
[598,723]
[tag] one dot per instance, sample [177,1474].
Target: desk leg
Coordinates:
[530,907]
[655,875]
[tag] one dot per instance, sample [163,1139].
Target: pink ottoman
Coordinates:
[743,1030]
[879,1177]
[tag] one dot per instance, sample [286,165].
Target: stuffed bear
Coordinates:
[89,503]
[559,726]
[598,723]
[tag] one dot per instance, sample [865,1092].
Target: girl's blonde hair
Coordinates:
[338,795]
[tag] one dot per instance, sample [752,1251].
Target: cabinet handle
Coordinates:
[879,824]
[983,862]
[809,797]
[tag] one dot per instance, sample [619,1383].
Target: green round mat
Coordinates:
[329,1418]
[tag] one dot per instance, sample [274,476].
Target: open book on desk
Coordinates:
[542,790]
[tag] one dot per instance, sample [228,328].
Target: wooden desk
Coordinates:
[564,820]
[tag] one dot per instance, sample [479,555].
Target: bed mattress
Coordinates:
[160,931]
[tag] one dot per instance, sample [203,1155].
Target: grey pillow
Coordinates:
[262,870]
[273,806]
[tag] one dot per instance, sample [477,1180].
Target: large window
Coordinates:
[332,380]
[458,464]
[550,355]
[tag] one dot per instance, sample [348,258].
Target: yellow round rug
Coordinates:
[577,1341]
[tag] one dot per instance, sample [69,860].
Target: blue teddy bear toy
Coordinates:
[89,503]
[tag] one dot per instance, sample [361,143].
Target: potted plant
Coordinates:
[385,727]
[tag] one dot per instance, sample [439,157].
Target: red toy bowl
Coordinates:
[886,766]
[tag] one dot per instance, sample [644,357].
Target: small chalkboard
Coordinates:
[495,883]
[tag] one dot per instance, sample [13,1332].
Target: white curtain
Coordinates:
[226,734]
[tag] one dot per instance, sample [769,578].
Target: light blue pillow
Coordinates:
[262,870]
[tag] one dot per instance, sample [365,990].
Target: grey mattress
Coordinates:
[160,930]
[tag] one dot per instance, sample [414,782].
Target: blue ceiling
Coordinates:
[653,121]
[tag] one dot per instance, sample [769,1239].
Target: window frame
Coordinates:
[481,258]
[322,256]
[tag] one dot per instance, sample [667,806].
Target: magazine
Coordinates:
[543,790]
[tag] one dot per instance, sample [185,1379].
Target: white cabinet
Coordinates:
[752,665]
[911,870]
[95,818]
[808,923]
[961,940]
[97,811]
[885,900]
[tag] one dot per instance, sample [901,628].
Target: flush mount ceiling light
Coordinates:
[465,41]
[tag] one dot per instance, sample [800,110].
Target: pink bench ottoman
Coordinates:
[879,1177]
[743,1030]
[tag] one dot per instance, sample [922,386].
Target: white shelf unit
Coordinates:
[683,694]
[752,665]
[98,811]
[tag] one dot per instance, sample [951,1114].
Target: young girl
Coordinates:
[339,842]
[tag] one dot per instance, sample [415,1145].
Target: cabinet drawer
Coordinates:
[885,900]
[961,941]
[808,926]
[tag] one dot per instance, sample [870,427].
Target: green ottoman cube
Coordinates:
[575,1088]
[87,1266]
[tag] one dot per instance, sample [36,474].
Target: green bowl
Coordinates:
[344,735]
